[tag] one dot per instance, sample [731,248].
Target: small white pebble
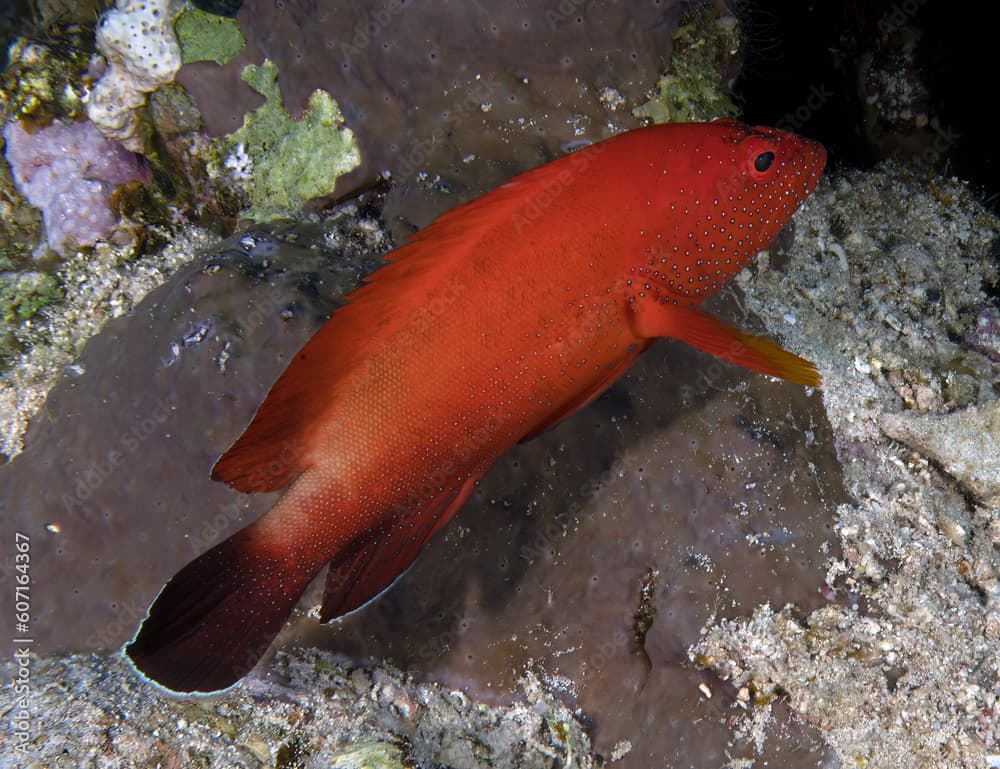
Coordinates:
[620,750]
[703,688]
[838,249]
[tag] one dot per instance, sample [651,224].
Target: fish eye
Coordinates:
[759,156]
[763,161]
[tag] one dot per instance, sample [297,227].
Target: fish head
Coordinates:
[724,191]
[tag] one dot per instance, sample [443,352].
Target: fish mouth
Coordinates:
[812,162]
[816,153]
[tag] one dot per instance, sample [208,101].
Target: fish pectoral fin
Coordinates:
[381,554]
[713,335]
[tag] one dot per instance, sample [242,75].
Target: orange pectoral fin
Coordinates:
[715,336]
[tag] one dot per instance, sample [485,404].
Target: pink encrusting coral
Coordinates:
[69,171]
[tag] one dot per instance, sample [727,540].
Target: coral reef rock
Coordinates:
[888,274]
[964,444]
[70,172]
[91,711]
[138,43]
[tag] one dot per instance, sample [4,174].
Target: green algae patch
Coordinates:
[206,37]
[26,294]
[283,162]
[694,88]
[22,296]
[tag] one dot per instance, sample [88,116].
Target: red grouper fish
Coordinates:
[490,325]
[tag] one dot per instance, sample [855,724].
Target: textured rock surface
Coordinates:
[502,87]
[103,284]
[962,443]
[888,278]
[90,711]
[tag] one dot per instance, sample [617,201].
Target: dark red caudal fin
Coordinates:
[216,617]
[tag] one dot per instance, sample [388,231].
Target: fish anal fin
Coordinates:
[715,336]
[378,556]
[586,398]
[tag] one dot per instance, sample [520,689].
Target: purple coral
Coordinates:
[69,171]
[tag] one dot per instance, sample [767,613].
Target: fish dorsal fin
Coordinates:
[277,445]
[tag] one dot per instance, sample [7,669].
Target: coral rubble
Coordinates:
[887,277]
[319,713]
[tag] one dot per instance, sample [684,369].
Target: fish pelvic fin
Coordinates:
[213,621]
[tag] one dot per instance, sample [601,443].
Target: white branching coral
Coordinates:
[239,164]
[138,43]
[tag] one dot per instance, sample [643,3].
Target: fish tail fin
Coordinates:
[213,621]
[217,616]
